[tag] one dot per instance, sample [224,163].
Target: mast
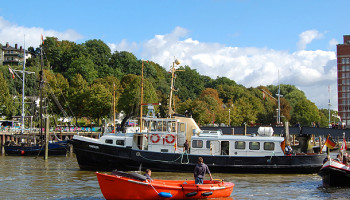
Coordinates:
[279,100]
[23,76]
[172,70]
[329,106]
[114,107]
[141,98]
[41,88]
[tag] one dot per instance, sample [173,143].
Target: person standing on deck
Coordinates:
[186,147]
[200,170]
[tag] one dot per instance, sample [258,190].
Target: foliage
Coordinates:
[81,78]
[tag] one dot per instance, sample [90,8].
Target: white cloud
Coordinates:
[307,37]
[332,43]
[310,71]
[14,34]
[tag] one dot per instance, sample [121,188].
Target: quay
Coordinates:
[15,137]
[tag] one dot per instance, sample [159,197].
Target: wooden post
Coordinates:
[3,144]
[286,130]
[47,133]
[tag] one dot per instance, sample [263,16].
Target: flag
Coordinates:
[283,145]
[343,145]
[42,38]
[330,143]
[13,75]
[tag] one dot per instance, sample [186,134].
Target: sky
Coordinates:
[252,42]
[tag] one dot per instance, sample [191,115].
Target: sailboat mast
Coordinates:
[41,92]
[23,80]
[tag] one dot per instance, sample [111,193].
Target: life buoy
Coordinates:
[168,140]
[156,139]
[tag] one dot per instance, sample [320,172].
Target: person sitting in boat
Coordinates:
[148,174]
[200,170]
[288,150]
[338,158]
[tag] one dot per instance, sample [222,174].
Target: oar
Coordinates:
[162,194]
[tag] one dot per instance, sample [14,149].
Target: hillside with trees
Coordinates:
[80,79]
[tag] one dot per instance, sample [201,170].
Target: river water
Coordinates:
[61,178]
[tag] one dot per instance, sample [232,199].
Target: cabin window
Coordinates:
[254,145]
[197,143]
[108,141]
[269,146]
[119,142]
[239,145]
[207,144]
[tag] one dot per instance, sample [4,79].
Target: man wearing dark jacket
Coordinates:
[200,170]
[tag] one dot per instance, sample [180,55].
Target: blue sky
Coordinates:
[246,41]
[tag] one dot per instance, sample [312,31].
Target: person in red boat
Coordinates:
[148,174]
[200,170]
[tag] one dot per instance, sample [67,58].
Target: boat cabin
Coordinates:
[215,143]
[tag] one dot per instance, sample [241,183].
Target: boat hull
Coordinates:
[95,156]
[335,174]
[117,187]
[55,149]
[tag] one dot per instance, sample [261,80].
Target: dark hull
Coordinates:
[55,149]
[334,177]
[92,156]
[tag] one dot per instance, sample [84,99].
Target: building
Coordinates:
[343,76]
[12,55]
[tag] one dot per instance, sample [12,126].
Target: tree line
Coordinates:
[80,79]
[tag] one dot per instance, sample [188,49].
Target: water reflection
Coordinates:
[60,178]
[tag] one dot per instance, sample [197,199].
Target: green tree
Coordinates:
[77,97]
[6,106]
[83,66]
[99,102]
[98,51]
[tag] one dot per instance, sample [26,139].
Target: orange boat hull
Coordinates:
[118,187]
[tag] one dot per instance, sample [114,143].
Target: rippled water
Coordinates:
[61,178]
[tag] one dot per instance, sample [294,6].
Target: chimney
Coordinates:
[7,45]
[20,48]
[15,46]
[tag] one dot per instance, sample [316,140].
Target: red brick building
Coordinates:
[343,70]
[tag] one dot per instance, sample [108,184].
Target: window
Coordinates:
[254,145]
[239,145]
[269,146]
[108,141]
[197,143]
[119,142]
[207,145]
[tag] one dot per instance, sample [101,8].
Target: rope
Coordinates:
[166,161]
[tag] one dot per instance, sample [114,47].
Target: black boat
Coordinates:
[55,149]
[335,173]
[160,148]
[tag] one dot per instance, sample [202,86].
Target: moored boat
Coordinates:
[54,149]
[161,148]
[123,185]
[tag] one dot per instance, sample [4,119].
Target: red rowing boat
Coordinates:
[123,185]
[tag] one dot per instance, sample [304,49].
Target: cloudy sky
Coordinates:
[251,42]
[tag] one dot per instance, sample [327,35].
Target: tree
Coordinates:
[77,97]
[99,102]
[98,51]
[6,106]
[83,66]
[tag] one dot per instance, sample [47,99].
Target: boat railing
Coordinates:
[210,133]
